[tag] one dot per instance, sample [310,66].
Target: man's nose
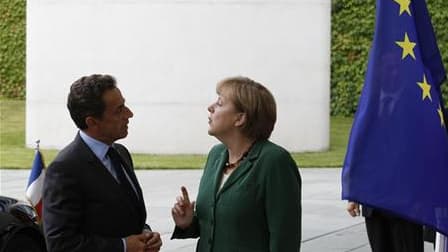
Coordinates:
[129,111]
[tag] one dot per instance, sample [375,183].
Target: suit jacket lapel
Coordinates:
[105,175]
[137,200]
[130,172]
[106,179]
[94,162]
[140,202]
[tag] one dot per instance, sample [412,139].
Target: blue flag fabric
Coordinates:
[397,157]
[37,168]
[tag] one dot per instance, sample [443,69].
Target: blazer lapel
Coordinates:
[219,163]
[243,168]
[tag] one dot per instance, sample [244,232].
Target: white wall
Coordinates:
[168,55]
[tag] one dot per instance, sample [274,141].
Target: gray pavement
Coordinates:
[325,224]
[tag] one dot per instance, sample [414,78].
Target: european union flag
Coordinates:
[397,157]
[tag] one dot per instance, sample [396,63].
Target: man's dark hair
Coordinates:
[86,97]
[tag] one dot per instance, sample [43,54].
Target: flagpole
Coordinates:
[37,144]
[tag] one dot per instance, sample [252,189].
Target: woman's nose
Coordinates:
[211,108]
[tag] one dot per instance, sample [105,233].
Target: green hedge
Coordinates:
[12,48]
[352,34]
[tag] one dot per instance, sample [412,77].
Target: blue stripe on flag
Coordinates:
[36,169]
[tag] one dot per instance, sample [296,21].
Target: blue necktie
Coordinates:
[117,166]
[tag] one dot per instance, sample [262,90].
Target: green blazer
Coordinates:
[258,208]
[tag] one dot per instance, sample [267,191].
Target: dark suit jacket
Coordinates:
[258,209]
[366,211]
[84,208]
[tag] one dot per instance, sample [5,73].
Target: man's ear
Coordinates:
[91,122]
[241,119]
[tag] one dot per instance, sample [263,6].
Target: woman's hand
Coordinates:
[183,210]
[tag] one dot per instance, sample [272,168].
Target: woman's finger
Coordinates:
[185,194]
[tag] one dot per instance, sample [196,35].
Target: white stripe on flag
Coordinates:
[441,243]
[34,191]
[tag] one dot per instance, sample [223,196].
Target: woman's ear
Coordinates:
[241,119]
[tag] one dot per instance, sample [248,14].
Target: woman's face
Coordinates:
[223,116]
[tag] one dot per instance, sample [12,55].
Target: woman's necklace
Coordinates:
[229,167]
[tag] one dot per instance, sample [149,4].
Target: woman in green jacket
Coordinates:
[249,196]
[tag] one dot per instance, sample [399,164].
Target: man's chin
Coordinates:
[124,134]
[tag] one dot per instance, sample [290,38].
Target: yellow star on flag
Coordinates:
[407,45]
[442,119]
[404,6]
[426,88]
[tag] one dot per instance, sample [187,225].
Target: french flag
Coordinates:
[35,183]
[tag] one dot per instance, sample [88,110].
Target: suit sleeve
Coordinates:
[283,203]
[63,214]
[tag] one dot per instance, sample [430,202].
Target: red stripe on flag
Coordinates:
[38,208]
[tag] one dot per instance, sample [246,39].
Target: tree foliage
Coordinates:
[12,48]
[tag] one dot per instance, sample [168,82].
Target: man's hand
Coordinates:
[353,209]
[183,210]
[154,242]
[137,243]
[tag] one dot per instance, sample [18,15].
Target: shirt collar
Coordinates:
[99,148]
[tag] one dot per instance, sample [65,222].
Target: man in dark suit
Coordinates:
[92,199]
[387,232]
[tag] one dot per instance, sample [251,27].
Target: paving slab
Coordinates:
[325,224]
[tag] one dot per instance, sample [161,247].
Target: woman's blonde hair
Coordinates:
[253,99]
